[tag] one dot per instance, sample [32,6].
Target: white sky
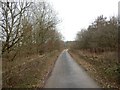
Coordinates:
[78,14]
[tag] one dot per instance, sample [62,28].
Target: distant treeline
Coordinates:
[100,36]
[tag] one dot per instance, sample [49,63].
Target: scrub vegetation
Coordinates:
[30,42]
[97,50]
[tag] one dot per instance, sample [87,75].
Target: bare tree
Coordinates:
[10,23]
[45,21]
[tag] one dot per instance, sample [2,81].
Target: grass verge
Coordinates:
[102,67]
[28,72]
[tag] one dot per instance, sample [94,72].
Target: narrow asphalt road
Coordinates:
[68,74]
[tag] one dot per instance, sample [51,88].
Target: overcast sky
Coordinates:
[78,14]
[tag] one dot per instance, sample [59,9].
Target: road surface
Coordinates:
[68,74]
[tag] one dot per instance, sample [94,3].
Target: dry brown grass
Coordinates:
[102,67]
[28,72]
